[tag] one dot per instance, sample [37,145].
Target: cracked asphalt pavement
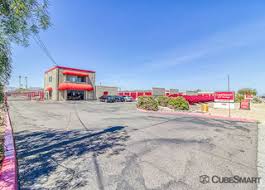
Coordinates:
[101,146]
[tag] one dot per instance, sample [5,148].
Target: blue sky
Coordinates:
[139,44]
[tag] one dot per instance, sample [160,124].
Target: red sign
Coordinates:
[248,96]
[245,105]
[224,97]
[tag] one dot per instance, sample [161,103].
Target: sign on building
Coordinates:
[248,96]
[224,100]
[224,97]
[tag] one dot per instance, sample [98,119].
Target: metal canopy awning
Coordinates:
[75,73]
[74,86]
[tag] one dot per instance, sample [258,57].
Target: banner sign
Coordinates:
[224,96]
[248,96]
[245,105]
[224,105]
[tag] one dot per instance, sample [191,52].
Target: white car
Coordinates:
[128,98]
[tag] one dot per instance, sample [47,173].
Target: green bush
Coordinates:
[162,100]
[178,103]
[147,103]
[239,97]
[257,100]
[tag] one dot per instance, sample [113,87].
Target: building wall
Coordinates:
[101,89]
[90,79]
[191,92]
[173,91]
[53,83]
[91,95]
[135,93]
[158,91]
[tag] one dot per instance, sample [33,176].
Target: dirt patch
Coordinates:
[257,112]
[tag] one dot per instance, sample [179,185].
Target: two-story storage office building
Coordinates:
[64,83]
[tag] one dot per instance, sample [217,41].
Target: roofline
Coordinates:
[69,68]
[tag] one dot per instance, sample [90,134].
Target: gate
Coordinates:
[25,96]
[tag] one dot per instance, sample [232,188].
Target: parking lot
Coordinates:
[107,146]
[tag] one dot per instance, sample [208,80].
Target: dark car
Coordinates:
[110,99]
[103,98]
[119,99]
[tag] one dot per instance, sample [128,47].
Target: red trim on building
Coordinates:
[69,68]
[148,93]
[49,88]
[75,73]
[73,86]
[133,95]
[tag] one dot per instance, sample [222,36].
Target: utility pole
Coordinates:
[26,82]
[19,77]
[228,86]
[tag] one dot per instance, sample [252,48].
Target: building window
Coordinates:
[70,78]
[50,78]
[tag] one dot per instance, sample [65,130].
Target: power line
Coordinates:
[44,48]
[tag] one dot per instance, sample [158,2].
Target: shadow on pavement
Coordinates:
[40,153]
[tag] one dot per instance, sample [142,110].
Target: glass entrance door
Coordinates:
[75,95]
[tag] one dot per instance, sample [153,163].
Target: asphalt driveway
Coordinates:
[93,145]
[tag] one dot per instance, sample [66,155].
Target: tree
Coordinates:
[19,19]
[245,91]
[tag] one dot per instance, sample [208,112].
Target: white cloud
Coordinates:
[240,36]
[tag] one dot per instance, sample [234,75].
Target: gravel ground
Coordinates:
[256,112]
[93,145]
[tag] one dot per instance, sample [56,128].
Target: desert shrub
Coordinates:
[257,100]
[147,103]
[162,100]
[178,103]
[239,97]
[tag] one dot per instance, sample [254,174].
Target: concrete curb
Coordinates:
[8,172]
[201,115]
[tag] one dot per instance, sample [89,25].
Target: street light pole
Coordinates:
[19,78]
[26,82]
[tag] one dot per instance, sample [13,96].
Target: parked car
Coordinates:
[119,99]
[128,98]
[103,98]
[110,99]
